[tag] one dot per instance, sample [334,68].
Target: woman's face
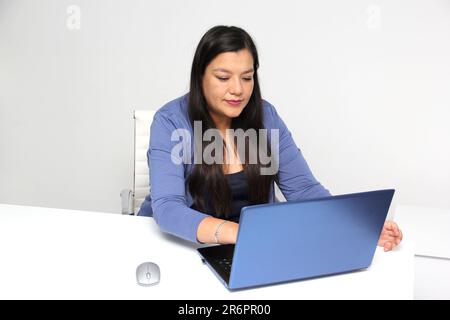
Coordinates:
[228,77]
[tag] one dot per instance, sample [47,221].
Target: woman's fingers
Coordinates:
[394,240]
[391,236]
[387,246]
[385,237]
[387,233]
[392,227]
[388,241]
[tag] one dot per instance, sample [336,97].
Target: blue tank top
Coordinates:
[239,194]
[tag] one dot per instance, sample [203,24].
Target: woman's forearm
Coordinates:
[207,229]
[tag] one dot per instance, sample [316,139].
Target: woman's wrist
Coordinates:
[218,229]
[209,232]
[228,232]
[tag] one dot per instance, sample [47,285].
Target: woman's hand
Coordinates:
[391,236]
[230,232]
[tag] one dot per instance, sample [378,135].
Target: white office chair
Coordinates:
[132,199]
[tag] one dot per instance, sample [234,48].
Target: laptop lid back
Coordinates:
[304,239]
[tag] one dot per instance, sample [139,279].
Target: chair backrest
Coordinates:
[141,182]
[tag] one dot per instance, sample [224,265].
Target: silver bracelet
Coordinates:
[216,234]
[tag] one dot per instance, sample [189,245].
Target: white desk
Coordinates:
[66,254]
[429,229]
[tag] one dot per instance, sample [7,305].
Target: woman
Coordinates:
[200,201]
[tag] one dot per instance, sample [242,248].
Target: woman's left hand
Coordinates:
[391,236]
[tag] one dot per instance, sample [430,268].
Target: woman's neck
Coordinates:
[232,162]
[222,123]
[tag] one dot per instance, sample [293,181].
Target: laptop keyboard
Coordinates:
[225,264]
[220,258]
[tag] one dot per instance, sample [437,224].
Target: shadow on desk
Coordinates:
[174,239]
[181,242]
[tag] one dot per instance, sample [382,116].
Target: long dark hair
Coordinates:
[207,182]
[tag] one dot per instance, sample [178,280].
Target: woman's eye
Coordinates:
[225,79]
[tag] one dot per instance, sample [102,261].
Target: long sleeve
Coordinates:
[168,199]
[295,178]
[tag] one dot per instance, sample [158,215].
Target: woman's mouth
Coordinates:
[234,103]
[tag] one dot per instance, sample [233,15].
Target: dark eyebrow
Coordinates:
[225,70]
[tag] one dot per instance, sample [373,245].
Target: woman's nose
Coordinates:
[236,87]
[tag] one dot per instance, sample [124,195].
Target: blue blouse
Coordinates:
[169,201]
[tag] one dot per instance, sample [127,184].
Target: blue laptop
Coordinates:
[289,241]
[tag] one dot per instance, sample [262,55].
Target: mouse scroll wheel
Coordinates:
[148,275]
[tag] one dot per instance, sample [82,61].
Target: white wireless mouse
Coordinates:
[148,274]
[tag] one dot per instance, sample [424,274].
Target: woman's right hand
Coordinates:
[229,232]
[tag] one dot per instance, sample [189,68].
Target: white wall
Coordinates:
[363,86]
